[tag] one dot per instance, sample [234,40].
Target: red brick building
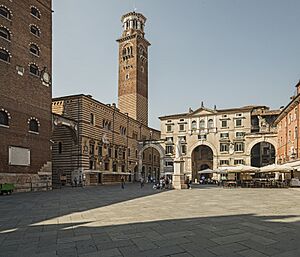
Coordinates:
[25,92]
[288,123]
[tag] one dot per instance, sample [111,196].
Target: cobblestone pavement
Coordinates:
[108,221]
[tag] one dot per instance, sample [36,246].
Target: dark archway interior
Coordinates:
[202,158]
[262,154]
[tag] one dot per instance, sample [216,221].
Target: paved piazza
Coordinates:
[108,221]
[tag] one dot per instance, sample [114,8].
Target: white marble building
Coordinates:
[212,138]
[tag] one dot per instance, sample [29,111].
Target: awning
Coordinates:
[206,171]
[105,172]
[237,169]
[277,168]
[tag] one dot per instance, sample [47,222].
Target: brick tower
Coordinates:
[133,68]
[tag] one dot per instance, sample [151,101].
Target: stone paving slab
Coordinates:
[110,222]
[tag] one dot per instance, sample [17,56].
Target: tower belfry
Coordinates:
[133,68]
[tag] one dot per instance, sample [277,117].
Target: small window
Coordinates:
[34,70]
[60,147]
[202,124]
[183,149]
[224,123]
[100,151]
[34,30]
[239,147]
[181,127]
[34,50]
[224,135]
[33,126]
[224,147]
[194,125]
[5,13]
[92,119]
[238,123]
[35,12]
[169,149]
[169,128]
[4,33]
[210,123]
[238,162]
[3,118]
[240,134]
[4,55]
[224,162]
[202,137]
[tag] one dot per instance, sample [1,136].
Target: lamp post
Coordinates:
[151,133]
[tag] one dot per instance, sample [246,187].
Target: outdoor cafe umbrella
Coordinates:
[237,169]
[206,171]
[284,168]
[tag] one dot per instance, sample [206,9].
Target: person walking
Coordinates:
[122,182]
[142,182]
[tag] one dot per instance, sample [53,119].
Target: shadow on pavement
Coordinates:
[226,236]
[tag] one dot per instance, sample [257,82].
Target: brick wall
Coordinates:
[25,97]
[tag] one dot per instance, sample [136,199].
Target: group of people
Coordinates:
[163,183]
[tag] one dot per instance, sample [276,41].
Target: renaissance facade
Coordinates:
[211,138]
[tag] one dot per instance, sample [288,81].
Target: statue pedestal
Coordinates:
[178,177]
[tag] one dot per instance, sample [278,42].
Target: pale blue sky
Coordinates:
[225,52]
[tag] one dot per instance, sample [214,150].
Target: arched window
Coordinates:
[210,123]
[4,33]
[4,55]
[202,124]
[3,118]
[35,12]
[4,12]
[34,70]
[92,119]
[34,50]
[35,30]
[127,52]
[33,125]
[194,125]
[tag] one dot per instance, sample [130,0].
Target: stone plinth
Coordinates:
[178,177]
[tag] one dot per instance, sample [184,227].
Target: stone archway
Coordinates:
[263,154]
[146,145]
[202,158]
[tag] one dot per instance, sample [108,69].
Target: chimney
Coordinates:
[298,87]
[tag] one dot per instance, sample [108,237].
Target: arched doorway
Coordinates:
[262,154]
[202,158]
[151,160]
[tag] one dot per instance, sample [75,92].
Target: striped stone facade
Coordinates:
[103,143]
